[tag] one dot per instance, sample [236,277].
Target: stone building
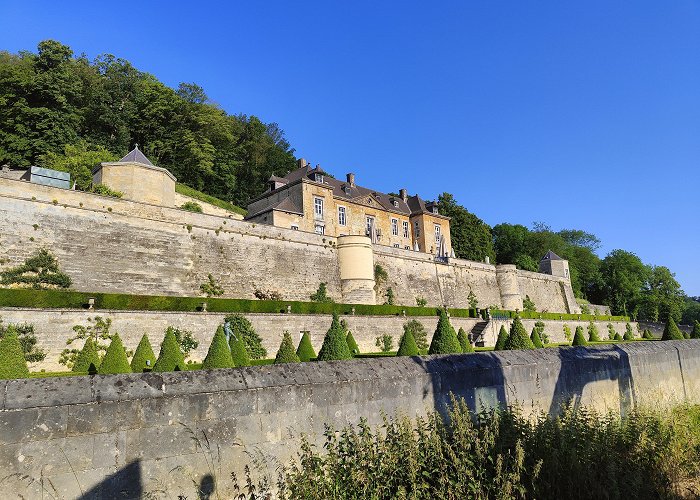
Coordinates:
[554,265]
[308,199]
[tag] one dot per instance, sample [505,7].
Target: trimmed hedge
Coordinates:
[535,337]
[88,360]
[671,331]
[464,341]
[629,333]
[518,338]
[407,345]
[170,357]
[593,335]
[500,313]
[219,353]
[12,362]
[144,352]
[352,345]
[239,353]
[115,360]
[305,351]
[502,339]
[334,344]
[445,339]
[579,339]
[286,353]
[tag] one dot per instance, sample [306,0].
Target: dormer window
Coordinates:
[395,203]
[435,209]
[318,178]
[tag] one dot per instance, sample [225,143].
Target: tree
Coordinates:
[471,237]
[407,345]
[115,360]
[593,335]
[334,344]
[389,296]
[661,296]
[419,334]
[286,353]
[27,339]
[144,356]
[238,325]
[567,333]
[623,276]
[352,345]
[239,353]
[518,337]
[13,363]
[321,295]
[39,271]
[445,338]
[185,339]
[79,160]
[464,341]
[305,350]
[629,334]
[696,331]
[611,332]
[536,340]
[509,242]
[502,339]
[579,339]
[170,357]
[87,360]
[528,304]
[671,331]
[219,354]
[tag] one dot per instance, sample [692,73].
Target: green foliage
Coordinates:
[321,295]
[585,309]
[305,350]
[579,339]
[611,332]
[407,345]
[240,327]
[618,337]
[104,190]
[647,335]
[38,271]
[539,326]
[528,304]
[567,333]
[219,354]
[115,360]
[380,276]
[286,353]
[144,353]
[421,302]
[77,159]
[389,296]
[12,365]
[212,287]
[535,338]
[593,335]
[185,340]
[27,339]
[696,331]
[198,195]
[518,337]
[471,298]
[629,334]
[352,345]
[385,342]
[464,341]
[239,353]
[192,206]
[419,334]
[334,344]
[502,339]
[98,329]
[170,357]
[87,359]
[445,339]
[471,237]
[671,331]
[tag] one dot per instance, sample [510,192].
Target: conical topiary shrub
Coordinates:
[593,335]
[502,339]
[239,353]
[334,343]
[115,360]
[536,340]
[407,345]
[518,337]
[12,362]
[618,337]
[579,339]
[87,361]
[696,331]
[647,335]
[671,331]
[144,353]
[170,357]
[352,345]
[219,354]
[445,339]
[464,341]
[286,353]
[305,351]
[629,334]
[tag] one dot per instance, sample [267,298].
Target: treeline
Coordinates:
[68,112]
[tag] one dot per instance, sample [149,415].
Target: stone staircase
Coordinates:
[477,333]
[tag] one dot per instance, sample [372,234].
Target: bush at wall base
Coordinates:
[144,352]
[219,354]
[696,331]
[352,345]
[239,353]
[629,334]
[536,340]
[518,337]
[464,341]
[579,339]
[88,360]
[407,345]
[115,360]
[671,331]
[502,339]
[334,343]
[170,357]
[305,350]
[12,362]
[445,339]
[286,353]
[647,335]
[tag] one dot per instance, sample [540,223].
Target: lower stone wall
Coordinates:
[54,326]
[160,435]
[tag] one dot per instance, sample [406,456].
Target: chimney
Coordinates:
[403,194]
[351,179]
[301,162]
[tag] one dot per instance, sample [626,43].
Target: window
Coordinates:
[437,233]
[405,229]
[295,227]
[417,229]
[318,208]
[341,216]
[435,209]
[395,227]
[407,247]
[319,178]
[396,203]
[320,229]
[370,225]
[396,245]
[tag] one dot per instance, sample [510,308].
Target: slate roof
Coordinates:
[135,155]
[551,256]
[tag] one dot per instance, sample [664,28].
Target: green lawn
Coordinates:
[198,195]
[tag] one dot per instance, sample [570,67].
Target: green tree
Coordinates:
[239,353]
[170,357]
[185,339]
[27,339]
[464,341]
[611,332]
[502,339]
[661,296]
[239,326]
[407,345]
[471,237]
[567,333]
[352,345]
[305,350]
[39,271]
[321,295]
[536,340]
[696,331]
[593,335]
[115,360]
[579,339]
[671,331]
[629,334]
[144,357]
[219,354]
[528,304]
[518,337]
[419,334]
[334,344]
[286,353]
[623,276]
[13,363]
[79,160]
[87,360]
[445,339]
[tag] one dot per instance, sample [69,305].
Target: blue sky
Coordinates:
[579,114]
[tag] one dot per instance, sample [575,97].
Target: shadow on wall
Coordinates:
[127,482]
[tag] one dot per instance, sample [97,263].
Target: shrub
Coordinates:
[579,339]
[352,345]
[238,325]
[38,271]
[389,296]
[144,353]
[305,350]
[539,325]
[211,287]
[321,295]
[219,354]
[98,329]
[671,331]
[472,300]
[286,353]
[648,335]
[629,334]
[267,295]
[27,339]
[567,333]
[618,337]
[502,339]
[445,339]
[239,353]
[334,344]
[170,357]
[13,364]
[115,360]
[421,302]
[420,335]
[593,332]
[87,360]
[611,331]
[464,341]
[528,304]
[385,342]
[380,276]
[192,206]
[103,190]
[536,340]
[518,338]
[407,345]
[696,330]
[185,340]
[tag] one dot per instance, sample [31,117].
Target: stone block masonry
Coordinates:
[158,435]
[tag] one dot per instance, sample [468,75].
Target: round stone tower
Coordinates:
[507,277]
[356,263]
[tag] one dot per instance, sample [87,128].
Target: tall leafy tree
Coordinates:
[471,237]
[624,275]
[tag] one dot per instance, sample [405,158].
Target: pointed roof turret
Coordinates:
[551,256]
[135,155]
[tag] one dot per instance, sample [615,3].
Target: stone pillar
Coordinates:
[356,263]
[507,277]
